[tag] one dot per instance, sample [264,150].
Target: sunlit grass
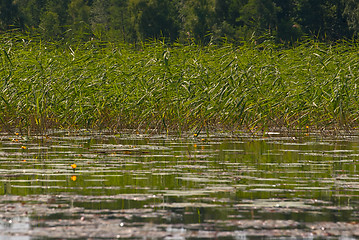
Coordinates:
[178,87]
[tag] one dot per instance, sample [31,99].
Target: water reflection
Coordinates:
[105,186]
[15,228]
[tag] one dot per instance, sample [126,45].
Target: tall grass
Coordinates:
[177,87]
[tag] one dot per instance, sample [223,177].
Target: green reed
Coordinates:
[155,86]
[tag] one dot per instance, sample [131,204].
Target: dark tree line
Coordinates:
[183,20]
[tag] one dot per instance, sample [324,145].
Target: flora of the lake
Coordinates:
[88,185]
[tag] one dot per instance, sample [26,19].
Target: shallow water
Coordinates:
[218,186]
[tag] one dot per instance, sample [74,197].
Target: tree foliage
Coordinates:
[351,11]
[183,20]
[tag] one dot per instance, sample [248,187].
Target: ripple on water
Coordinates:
[135,186]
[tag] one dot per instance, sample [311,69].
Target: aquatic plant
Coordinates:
[176,88]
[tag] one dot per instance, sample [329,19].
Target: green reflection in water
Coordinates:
[162,180]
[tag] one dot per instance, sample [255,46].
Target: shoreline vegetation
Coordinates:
[178,87]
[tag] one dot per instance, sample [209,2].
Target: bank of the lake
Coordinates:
[177,87]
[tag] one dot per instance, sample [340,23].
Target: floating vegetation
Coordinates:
[242,187]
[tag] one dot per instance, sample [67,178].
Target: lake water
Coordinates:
[162,187]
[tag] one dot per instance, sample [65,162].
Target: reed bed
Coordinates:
[176,87]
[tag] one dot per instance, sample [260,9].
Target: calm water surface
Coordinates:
[162,187]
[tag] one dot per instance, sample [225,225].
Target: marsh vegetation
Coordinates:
[177,87]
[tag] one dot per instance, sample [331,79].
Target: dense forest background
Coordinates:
[203,21]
